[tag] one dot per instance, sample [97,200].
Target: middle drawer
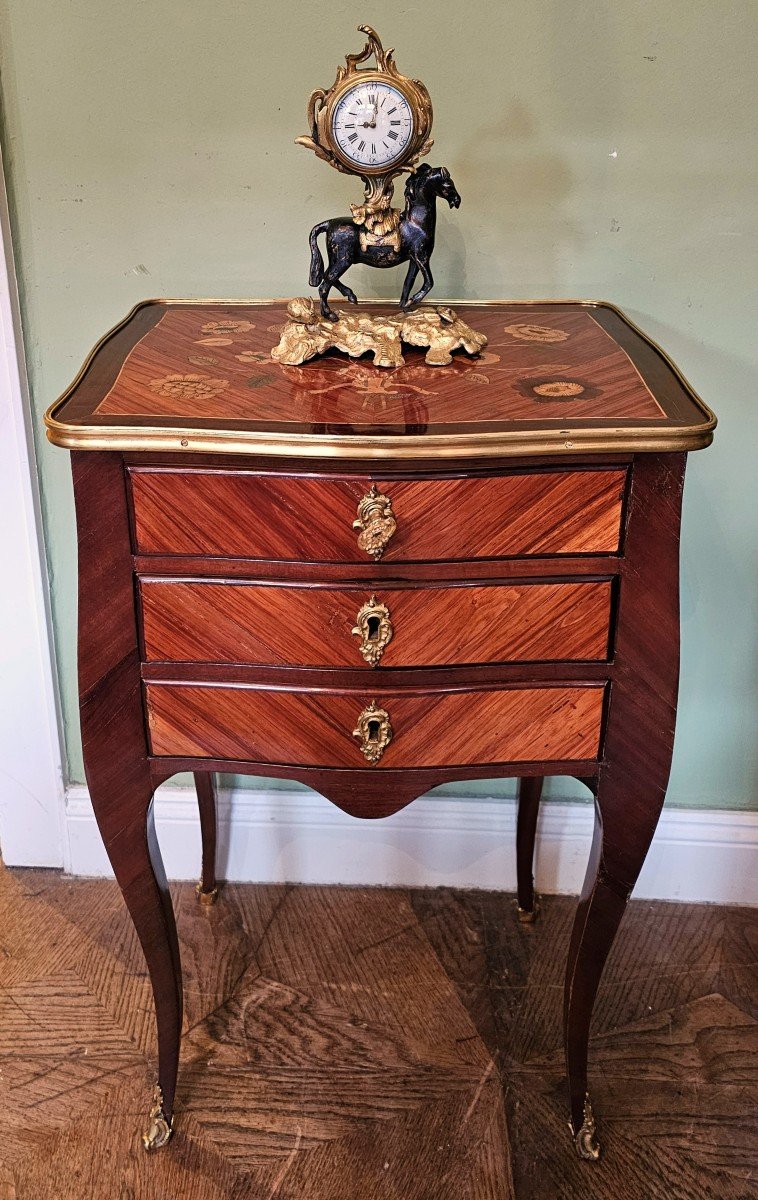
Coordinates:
[307,625]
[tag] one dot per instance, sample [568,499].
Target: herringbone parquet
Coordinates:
[356,1044]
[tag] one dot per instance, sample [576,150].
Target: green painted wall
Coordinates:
[601,149]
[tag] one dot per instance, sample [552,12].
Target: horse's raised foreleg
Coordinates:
[409,281]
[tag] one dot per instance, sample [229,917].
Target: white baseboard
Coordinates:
[271,836]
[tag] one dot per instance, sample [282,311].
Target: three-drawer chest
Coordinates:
[375,581]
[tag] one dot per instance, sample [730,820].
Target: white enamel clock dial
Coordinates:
[372,124]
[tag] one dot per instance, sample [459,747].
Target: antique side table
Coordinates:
[375,582]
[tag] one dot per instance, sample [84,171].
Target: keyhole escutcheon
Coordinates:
[374,732]
[374,630]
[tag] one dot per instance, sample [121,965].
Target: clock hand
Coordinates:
[367,124]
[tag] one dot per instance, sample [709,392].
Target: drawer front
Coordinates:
[350,729]
[273,625]
[291,518]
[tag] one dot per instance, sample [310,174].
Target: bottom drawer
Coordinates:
[398,728]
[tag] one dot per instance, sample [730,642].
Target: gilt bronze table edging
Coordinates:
[567,440]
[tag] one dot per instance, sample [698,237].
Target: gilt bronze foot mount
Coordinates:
[159,1129]
[585,1138]
[527,916]
[206,898]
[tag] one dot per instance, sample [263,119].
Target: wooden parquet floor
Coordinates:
[358,1044]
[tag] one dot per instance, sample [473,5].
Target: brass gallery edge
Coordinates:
[564,441]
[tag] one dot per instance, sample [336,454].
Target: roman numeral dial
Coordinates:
[372,124]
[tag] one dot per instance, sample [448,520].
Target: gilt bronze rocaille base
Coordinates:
[306,335]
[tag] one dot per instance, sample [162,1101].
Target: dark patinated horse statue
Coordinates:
[417,227]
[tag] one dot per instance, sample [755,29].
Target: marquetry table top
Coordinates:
[556,377]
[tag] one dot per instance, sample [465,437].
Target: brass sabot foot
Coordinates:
[527,916]
[159,1130]
[206,898]
[585,1140]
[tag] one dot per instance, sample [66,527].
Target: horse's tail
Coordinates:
[317,262]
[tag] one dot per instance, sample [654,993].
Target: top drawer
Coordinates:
[357,519]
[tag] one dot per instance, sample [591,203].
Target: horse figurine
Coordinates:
[414,243]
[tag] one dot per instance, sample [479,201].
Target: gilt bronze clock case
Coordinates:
[323,104]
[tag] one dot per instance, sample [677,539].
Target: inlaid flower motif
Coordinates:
[202,360]
[373,383]
[260,381]
[543,389]
[252,356]
[537,333]
[188,387]
[226,328]
[558,389]
[478,377]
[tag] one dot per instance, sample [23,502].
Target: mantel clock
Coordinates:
[375,123]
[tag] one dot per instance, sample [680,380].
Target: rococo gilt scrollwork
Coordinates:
[321,108]
[374,628]
[375,522]
[159,1129]
[373,731]
[307,335]
[585,1139]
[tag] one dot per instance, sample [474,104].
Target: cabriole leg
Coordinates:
[116,752]
[611,874]
[207,888]
[634,771]
[122,799]
[529,793]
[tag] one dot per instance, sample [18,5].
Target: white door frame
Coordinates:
[32,796]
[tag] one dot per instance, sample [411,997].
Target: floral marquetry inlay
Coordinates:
[195,362]
[188,387]
[252,356]
[559,389]
[202,360]
[375,383]
[537,333]
[545,390]
[227,328]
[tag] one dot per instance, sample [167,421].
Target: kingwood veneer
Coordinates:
[430,729]
[375,582]
[203,620]
[250,515]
